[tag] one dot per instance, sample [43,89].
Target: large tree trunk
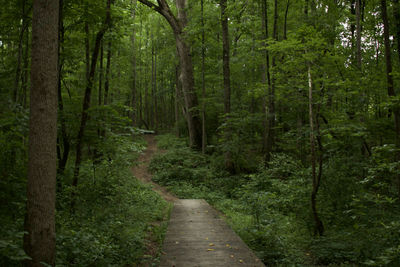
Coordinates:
[86,99]
[178,25]
[389,78]
[39,242]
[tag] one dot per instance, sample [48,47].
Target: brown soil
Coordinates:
[141,171]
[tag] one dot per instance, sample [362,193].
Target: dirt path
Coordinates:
[141,171]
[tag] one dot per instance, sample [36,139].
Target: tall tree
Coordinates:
[39,242]
[86,99]
[227,80]
[178,24]
[203,81]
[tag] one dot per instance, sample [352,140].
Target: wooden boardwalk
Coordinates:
[198,236]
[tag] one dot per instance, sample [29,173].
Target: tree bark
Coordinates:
[178,25]
[86,99]
[39,242]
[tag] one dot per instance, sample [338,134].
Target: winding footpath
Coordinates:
[197,235]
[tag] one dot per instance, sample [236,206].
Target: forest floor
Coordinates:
[197,234]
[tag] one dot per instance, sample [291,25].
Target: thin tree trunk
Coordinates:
[39,242]
[389,78]
[108,70]
[25,75]
[203,81]
[270,139]
[227,82]
[177,90]
[285,22]
[266,79]
[87,42]
[319,228]
[20,52]
[86,100]
[396,11]
[133,41]
[65,139]
[358,32]
[101,72]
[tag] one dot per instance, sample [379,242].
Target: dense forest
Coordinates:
[282,114]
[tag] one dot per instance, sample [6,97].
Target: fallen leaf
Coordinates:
[210,249]
[206,238]
[211,244]
[227,245]
[232,256]
[241,261]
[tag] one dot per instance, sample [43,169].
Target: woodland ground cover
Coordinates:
[270,210]
[114,217]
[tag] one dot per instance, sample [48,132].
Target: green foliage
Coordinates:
[113,213]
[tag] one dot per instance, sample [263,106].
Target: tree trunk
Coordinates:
[396,12]
[39,242]
[203,82]
[177,90]
[319,227]
[227,82]
[107,78]
[86,99]
[133,41]
[24,26]
[101,72]
[65,139]
[389,78]
[358,32]
[270,140]
[266,79]
[285,22]
[178,25]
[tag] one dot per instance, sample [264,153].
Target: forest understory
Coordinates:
[282,114]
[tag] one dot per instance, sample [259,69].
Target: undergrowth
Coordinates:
[116,219]
[270,210]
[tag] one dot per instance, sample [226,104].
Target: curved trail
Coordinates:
[197,234]
[141,171]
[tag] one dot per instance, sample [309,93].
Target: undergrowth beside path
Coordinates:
[269,209]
